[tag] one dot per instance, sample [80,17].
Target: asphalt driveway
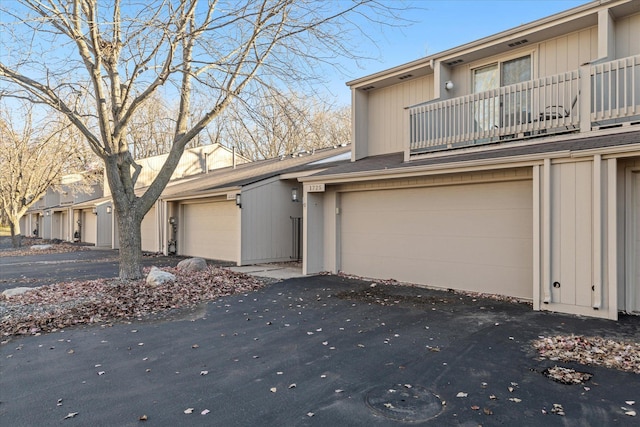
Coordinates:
[43,269]
[320,350]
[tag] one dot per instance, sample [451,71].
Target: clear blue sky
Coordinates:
[441,25]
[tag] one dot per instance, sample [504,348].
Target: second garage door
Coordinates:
[149,231]
[210,230]
[469,237]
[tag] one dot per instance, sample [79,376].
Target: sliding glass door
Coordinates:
[493,110]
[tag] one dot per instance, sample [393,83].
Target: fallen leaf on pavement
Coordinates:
[566,375]
[610,353]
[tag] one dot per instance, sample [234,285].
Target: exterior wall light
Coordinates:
[239,201]
[294,195]
[108,209]
[448,85]
[47,213]
[95,211]
[172,220]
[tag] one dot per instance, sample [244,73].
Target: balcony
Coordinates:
[595,96]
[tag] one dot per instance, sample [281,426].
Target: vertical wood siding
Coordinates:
[267,233]
[386,113]
[571,233]
[628,36]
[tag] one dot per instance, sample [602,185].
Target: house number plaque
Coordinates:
[315,188]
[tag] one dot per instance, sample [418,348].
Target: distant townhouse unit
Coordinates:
[52,216]
[248,214]
[86,214]
[509,165]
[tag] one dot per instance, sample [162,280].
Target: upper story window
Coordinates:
[493,110]
[503,73]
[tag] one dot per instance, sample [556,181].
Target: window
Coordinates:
[493,110]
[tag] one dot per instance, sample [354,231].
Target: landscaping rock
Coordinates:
[41,247]
[192,264]
[15,291]
[157,277]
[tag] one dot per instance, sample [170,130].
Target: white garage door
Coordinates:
[149,231]
[210,230]
[469,237]
[89,226]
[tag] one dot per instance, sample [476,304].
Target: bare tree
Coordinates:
[34,155]
[115,54]
[151,129]
[277,124]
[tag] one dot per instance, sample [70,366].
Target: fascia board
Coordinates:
[91,203]
[469,166]
[214,193]
[630,150]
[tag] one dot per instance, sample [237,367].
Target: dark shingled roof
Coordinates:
[396,160]
[251,172]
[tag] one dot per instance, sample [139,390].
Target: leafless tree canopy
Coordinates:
[99,61]
[34,155]
[277,124]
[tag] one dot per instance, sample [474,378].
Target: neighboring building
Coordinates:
[52,217]
[194,161]
[248,214]
[86,216]
[508,165]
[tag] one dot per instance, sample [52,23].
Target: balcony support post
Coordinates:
[584,95]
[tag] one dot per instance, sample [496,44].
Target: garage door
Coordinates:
[468,237]
[89,226]
[149,231]
[210,230]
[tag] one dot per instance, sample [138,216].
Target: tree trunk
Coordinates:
[16,238]
[130,244]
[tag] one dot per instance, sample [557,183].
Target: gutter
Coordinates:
[217,193]
[439,169]
[630,150]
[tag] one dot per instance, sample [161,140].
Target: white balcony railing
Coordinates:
[594,96]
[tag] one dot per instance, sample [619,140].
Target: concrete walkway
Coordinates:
[271,271]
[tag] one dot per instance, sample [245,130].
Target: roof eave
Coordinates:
[573,13]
